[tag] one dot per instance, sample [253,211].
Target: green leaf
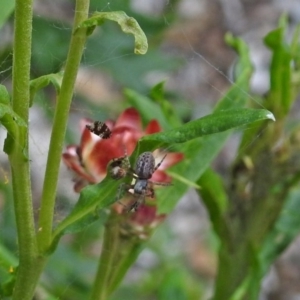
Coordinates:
[280,98]
[7,287]
[8,116]
[47,60]
[91,198]
[213,193]
[9,264]
[43,81]
[295,47]
[287,227]
[4,96]
[7,259]
[127,24]
[200,152]
[243,65]
[11,121]
[211,124]
[157,94]
[103,194]
[7,7]
[147,108]
[198,155]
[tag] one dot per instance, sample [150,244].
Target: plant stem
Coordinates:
[59,127]
[29,265]
[132,247]
[118,254]
[105,267]
[233,269]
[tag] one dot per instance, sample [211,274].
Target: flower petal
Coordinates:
[80,183]
[171,159]
[146,215]
[161,176]
[73,162]
[130,118]
[88,141]
[101,154]
[153,127]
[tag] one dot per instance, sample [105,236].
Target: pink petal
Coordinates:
[73,162]
[171,159]
[110,124]
[129,137]
[161,176]
[130,118]
[146,216]
[152,127]
[87,143]
[102,153]
[80,184]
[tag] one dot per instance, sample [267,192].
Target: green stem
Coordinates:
[109,249]
[118,254]
[59,127]
[132,249]
[29,264]
[233,269]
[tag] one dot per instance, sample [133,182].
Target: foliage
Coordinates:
[247,221]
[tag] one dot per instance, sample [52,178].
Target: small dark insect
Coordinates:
[99,128]
[119,167]
[142,173]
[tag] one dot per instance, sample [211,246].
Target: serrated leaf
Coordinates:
[127,24]
[43,81]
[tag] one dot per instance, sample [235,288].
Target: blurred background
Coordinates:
[188,52]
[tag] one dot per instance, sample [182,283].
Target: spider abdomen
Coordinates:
[145,165]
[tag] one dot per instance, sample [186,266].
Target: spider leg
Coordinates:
[158,165]
[161,183]
[122,187]
[136,204]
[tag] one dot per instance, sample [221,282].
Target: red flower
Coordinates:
[89,160]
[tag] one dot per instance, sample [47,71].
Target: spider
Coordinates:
[142,173]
